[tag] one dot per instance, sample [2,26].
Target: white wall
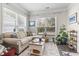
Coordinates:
[0,17]
[60,17]
[73,8]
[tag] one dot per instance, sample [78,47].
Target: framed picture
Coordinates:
[73,18]
[31,23]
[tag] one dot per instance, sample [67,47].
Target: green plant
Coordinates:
[62,37]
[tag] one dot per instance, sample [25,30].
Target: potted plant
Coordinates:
[62,37]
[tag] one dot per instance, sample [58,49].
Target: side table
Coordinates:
[36,49]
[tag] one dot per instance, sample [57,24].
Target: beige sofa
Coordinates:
[20,41]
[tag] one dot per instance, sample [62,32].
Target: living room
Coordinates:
[35,29]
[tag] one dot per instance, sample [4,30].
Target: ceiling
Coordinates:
[43,6]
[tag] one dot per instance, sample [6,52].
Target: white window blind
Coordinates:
[9,20]
[21,22]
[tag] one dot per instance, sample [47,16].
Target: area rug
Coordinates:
[64,50]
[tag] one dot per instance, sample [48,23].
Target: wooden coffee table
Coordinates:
[36,48]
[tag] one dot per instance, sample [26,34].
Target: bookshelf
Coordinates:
[73,39]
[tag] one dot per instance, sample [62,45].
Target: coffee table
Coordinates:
[36,48]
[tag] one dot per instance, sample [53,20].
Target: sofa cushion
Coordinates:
[14,35]
[7,35]
[29,38]
[21,34]
[26,39]
[10,40]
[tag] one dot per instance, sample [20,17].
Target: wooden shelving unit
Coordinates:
[73,39]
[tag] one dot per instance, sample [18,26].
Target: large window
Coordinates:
[12,21]
[21,22]
[46,25]
[9,20]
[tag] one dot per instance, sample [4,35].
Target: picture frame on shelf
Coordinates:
[73,18]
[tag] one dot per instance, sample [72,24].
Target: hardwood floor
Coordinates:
[51,49]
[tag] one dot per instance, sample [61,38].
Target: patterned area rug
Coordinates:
[64,50]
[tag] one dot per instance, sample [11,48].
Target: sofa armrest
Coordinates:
[13,41]
[19,42]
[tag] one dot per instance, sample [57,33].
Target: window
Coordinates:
[13,21]
[9,20]
[46,25]
[21,22]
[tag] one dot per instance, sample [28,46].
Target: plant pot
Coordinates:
[64,41]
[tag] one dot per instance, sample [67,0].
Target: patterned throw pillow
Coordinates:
[14,35]
[20,34]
